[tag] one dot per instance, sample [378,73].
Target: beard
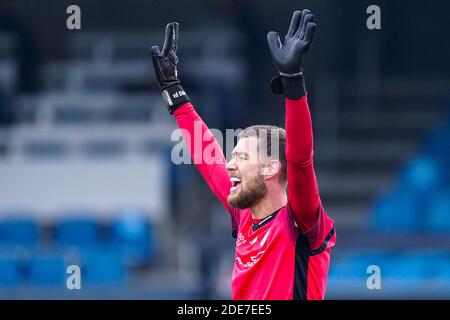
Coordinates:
[252,191]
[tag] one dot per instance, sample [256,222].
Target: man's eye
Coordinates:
[242,156]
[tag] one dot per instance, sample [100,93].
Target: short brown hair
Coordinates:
[267,131]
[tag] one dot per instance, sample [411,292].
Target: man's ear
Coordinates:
[271,169]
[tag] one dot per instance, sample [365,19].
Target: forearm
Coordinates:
[205,151]
[303,193]
[299,135]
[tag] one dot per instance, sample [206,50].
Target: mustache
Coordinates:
[253,191]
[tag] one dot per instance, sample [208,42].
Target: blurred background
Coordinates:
[85,172]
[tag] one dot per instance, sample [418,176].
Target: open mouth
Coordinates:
[235,184]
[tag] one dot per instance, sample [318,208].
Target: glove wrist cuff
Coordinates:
[291,75]
[292,86]
[174,96]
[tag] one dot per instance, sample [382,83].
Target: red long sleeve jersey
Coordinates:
[287,254]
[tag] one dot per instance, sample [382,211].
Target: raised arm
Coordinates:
[211,165]
[303,194]
[203,147]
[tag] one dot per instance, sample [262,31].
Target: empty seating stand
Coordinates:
[107,252]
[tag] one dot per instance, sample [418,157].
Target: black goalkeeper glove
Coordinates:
[165,64]
[288,56]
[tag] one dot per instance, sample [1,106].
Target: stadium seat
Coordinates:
[438,216]
[442,269]
[397,212]
[354,264]
[20,231]
[132,232]
[109,148]
[103,266]
[76,114]
[398,270]
[10,274]
[47,270]
[438,142]
[82,232]
[45,149]
[422,174]
[410,266]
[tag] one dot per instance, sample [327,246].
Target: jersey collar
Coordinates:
[266,220]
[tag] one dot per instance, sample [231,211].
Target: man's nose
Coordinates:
[231,164]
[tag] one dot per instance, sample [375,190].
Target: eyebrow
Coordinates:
[239,153]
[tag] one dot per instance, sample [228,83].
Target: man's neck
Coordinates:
[268,205]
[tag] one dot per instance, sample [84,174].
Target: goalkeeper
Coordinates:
[283,235]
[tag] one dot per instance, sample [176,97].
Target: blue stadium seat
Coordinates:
[81,232]
[10,275]
[397,212]
[398,269]
[354,264]
[438,217]
[442,269]
[132,233]
[409,266]
[19,231]
[103,266]
[47,270]
[438,142]
[421,174]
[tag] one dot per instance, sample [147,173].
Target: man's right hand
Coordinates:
[165,63]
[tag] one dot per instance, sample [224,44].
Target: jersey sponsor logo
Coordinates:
[252,261]
[241,239]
